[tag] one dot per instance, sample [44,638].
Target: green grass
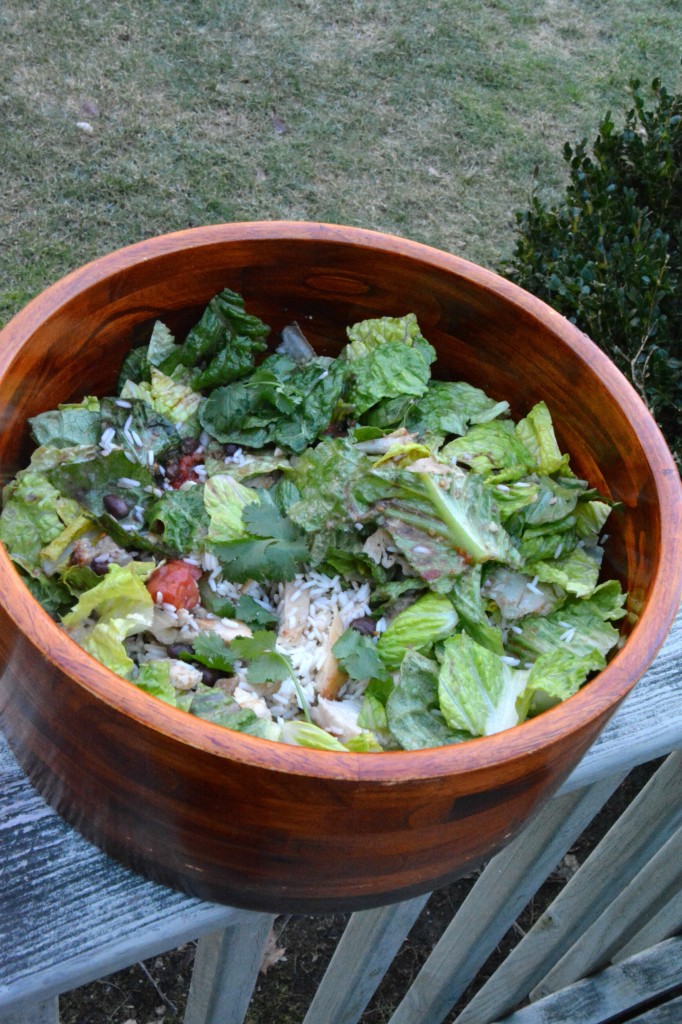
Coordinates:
[424,120]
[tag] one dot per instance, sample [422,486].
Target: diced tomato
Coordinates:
[182,470]
[176,583]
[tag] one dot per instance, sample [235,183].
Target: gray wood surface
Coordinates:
[46,1012]
[499,895]
[667,922]
[641,831]
[364,953]
[616,990]
[649,891]
[669,1013]
[226,971]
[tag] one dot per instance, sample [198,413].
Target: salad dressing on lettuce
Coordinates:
[341,553]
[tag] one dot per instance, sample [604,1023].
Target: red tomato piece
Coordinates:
[176,582]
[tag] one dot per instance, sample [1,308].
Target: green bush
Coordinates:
[609,256]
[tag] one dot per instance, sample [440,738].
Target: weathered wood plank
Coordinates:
[616,990]
[368,945]
[225,972]
[494,903]
[668,1013]
[46,1012]
[653,887]
[645,826]
[667,922]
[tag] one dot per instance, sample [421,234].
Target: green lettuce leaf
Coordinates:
[431,618]
[68,425]
[122,606]
[30,519]
[140,423]
[225,342]
[281,403]
[89,482]
[161,344]
[557,675]
[477,690]
[387,358]
[183,517]
[176,401]
[412,711]
[225,499]
[536,432]
[580,625]
[492,448]
[577,571]
[154,678]
[305,734]
[450,407]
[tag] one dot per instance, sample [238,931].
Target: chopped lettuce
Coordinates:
[478,690]
[120,606]
[68,425]
[225,500]
[183,518]
[413,713]
[32,517]
[386,358]
[431,618]
[154,678]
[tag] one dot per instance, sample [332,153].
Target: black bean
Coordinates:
[115,506]
[230,449]
[365,625]
[175,650]
[189,445]
[210,676]
[100,566]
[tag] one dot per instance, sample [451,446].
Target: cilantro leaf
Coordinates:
[248,610]
[358,656]
[211,651]
[273,549]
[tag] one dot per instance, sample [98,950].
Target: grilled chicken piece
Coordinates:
[339,717]
[330,676]
[293,612]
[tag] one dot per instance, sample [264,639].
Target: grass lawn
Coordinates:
[125,120]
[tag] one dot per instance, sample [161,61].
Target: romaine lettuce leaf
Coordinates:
[225,341]
[89,482]
[280,403]
[68,425]
[122,606]
[536,432]
[556,676]
[225,500]
[176,401]
[412,711]
[477,690]
[581,625]
[30,519]
[577,571]
[430,618]
[387,358]
[492,448]
[184,519]
[154,678]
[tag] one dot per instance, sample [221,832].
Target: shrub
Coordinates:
[609,256]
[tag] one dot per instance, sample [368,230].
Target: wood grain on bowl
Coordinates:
[242,820]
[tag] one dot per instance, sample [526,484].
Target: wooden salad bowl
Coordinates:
[238,819]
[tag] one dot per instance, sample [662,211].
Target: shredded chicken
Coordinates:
[331,677]
[338,717]
[293,612]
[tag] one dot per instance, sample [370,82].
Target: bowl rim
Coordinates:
[476,755]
